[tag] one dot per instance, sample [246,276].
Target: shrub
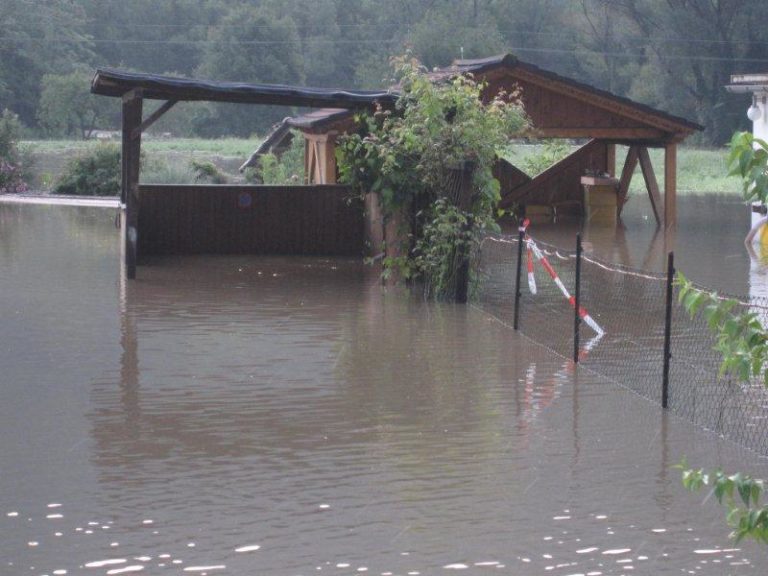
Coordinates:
[207,173]
[287,168]
[94,174]
[11,173]
[416,158]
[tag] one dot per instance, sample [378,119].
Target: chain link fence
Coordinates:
[630,307]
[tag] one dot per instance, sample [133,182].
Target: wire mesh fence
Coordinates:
[629,306]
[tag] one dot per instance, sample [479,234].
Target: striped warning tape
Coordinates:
[532,248]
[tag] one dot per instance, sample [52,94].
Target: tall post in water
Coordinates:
[131,153]
[520,242]
[577,301]
[668,330]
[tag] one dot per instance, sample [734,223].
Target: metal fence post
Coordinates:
[577,301]
[520,242]
[668,330]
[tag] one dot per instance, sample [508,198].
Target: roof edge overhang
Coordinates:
[117,83]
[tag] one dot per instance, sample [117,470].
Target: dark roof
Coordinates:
[110,82]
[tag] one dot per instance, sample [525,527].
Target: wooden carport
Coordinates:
[561,107]
[134,88]
[558,107]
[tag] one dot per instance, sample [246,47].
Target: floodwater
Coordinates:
[278,416]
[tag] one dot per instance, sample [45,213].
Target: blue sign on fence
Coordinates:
[244,200]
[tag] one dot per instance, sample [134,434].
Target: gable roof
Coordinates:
[563,84]
[634,120]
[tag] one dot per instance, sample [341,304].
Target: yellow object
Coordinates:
[763,235]
[600,205]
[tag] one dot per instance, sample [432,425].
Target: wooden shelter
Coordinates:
[558,107]
[234,219]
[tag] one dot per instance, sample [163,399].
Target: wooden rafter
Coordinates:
[603,133]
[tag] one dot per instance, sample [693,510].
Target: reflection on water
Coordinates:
[287,416]
[708,244]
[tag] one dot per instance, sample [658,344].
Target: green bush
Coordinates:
[94,174]
[11,169]
[207,173]
[288,168]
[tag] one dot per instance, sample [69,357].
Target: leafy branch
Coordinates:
[749,160]
[741,493]
[740,337]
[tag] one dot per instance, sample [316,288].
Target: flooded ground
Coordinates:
[288,417]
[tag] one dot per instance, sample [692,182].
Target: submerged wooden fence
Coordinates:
[227,219]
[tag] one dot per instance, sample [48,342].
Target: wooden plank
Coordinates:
[560,182]
[626,176]
[670,186]
[602,132]
[154,117]
[296,220]
[606,102]
[651,183]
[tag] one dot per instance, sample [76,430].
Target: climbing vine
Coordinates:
[407,155]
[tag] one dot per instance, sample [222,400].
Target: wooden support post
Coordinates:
[670,186]
[610,159]
[131,152]
[651,183]
[626,177]
[330,158]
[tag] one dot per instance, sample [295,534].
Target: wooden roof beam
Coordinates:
[618,134]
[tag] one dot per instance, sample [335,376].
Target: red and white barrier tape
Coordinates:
[539,255]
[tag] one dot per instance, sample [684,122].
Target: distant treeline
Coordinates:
[673,54]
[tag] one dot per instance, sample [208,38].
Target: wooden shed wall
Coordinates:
[290,220]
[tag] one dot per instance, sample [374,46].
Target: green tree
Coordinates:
[251,46]
[442,35]
[690,48]
[35,40]
[67,107]
[11,169]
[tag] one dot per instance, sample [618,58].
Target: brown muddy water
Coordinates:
[286,416]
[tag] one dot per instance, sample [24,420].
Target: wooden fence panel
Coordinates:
[227,219]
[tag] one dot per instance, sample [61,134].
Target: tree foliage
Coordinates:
[742,341]
[11,168]
[741,493]
[676,55]
[67,107]
[94,174]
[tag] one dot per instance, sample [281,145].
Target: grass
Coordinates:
[700,171]
[221,146]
